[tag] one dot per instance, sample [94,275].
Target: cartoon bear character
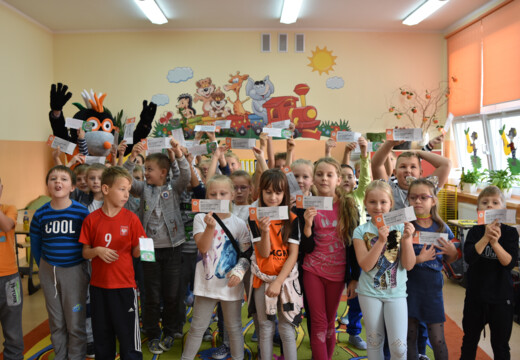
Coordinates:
[218,105]
[205,88]
[260,91]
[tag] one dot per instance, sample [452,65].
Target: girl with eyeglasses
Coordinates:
[425,281]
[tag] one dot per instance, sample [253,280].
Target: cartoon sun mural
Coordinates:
[322,60]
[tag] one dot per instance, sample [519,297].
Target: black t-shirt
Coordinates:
[488,280]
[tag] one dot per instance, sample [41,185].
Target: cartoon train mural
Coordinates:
[279,108]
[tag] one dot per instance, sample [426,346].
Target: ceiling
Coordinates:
[60,16]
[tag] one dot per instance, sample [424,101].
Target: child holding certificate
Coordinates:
[384,254]
[329,258]
[276,289]
[425,281]
[222,240]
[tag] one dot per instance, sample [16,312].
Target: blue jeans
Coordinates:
[354,316]
[161,282]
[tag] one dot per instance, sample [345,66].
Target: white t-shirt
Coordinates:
[212,267]
[242,211]
[94,205]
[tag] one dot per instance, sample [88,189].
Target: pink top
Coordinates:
[329,259]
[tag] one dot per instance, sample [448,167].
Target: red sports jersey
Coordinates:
[120,233]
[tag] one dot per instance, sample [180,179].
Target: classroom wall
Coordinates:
[133,66]
[26,70]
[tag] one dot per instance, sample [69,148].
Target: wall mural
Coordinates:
[248,105]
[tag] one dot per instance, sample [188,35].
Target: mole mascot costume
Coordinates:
[99,141]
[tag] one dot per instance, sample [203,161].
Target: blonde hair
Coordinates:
[300,162]
[111,174]
[221,179]
[232,155]
[380,185]
[491,190]
[348,217]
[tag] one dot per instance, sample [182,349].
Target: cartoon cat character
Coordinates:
[260,91]
[205,88]
[218,105]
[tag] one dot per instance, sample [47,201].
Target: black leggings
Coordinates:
[500,319]
[436,336]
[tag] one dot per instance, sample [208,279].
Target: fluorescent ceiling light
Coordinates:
[290,11]
[423,11]
[152,11]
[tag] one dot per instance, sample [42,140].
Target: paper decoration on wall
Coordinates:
[185,106]
[179,74]
[260,91]
[161,99]
[471,147]
[322,60]
[335,82]
[510,149]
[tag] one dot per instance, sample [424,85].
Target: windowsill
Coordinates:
[471,198]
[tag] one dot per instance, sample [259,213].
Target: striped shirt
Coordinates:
[55,234]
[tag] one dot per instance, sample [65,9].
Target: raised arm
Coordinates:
[442,165]
[379,158]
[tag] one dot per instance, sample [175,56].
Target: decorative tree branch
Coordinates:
[420,111]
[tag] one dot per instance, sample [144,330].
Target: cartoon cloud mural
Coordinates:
[335,82]
[179,74]
[161,99]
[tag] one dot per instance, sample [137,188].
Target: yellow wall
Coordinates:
[26,70]
[133,66]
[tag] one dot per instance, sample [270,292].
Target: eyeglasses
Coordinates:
[241,188]
[423,197]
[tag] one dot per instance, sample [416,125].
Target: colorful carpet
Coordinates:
[38,345]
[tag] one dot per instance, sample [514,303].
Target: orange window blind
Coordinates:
[501,55]
[464,64]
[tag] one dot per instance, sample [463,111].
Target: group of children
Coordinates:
[303,261]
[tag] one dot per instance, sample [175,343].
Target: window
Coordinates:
[492,143]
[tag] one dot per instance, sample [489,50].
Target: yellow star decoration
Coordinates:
[322,60]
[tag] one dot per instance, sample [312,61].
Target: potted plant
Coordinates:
[469,180]
[503,179]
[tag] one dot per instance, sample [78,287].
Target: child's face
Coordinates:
[59,185]
[219,190]
[279,164]
[303,174]
[242,190]
[348,180]
[407,166]
[117,194]
[357,167]
[138,176]
[154,174]
[233,163]
[271,197]
[81,182]
[377,202]
[139,161]
[326,179]
[420,197]
[493,202]
[204,169]
[94,180]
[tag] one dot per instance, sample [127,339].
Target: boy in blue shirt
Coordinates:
[54,232]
